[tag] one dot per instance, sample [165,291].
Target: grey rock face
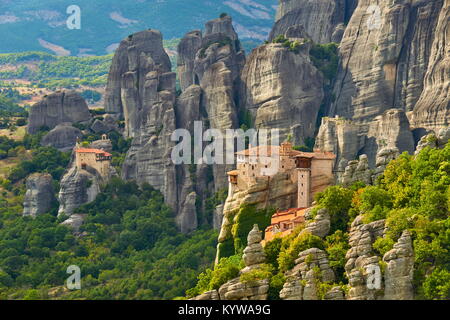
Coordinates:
[347,138]
[74,222]
[63,137]
[56,108]
[39,196]
[188,47]
[236,290]
[282,89]
[301,283]
[384,64]
[128,59]
[320,225]
[360,170]
[104,126]
[320,18]
[78,187]
[104,145]
[433,140]
[254,254]
[209,295]
[400,270]
[187,217]
[432,111]
[361,259]
[340,136]
[336,293]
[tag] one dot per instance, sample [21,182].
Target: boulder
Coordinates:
[57,108]
[63,137]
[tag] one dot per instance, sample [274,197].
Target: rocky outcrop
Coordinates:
[254,254]
[253,257]
[321,19]
[340,136]
[217,68]
[188,47]
[318,226]
[236,290]
[391,130]
[311,268]
[361,259]
[78,187]
[277,192]
[40,196]
[282,89]
[107,124]
[433,140]
[432,111]
[103,144]
[132,56]
[348,138]
[359,170]
[74,222]
[399,272]
[394,56]
[209,295]
[142,89]
[63,137]
[187,216]
[56,108]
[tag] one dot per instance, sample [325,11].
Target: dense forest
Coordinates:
[128,248]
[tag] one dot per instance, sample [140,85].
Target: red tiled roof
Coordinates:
[233,173]
[96,151]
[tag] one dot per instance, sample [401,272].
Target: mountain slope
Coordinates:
[37,25]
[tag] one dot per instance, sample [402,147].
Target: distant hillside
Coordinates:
[29,25]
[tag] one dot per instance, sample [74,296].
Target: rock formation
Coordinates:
[188,47]
[63,137]
[39,196]
[302,280]
[74,222]
[254,254]
[399,272]
[56,108]
[277,192]
[132,56]
[432,111]
[320,225]
[321,19]
[386,53]
[361,259]
[433,140]
[282,90]
[78,187]
[359,170]
[236,290]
